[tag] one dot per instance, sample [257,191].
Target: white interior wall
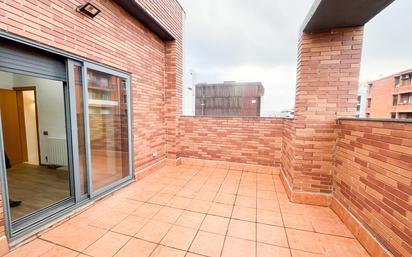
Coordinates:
[31,127]
[50,105]
[50,108]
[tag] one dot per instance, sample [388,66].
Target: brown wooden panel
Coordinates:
[11,127]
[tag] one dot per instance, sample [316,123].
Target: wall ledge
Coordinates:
[235,117]
[377,120]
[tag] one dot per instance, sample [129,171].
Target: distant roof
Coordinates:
[330,14]
[256,87]
[408,71]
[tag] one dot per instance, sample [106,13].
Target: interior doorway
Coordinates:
[35,145]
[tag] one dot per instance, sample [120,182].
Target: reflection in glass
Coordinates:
[108,121]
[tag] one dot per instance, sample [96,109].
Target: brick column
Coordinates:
[327,83]
[173,95]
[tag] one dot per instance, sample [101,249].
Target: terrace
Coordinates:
[320,184]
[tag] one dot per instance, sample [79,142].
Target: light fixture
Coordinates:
[88,9]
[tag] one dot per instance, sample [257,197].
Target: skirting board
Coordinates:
[365,238]
[318,199]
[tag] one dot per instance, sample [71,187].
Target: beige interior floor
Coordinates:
[37,187]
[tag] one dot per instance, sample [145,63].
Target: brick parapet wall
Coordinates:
[327,82]
[233,139]
[373,179]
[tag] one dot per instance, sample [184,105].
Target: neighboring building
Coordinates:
[229,99]
[391,97]
[362,100]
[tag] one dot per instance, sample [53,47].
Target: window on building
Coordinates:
[369,102]
[406,79]
[395,100]
[406,115]
[368,115]
[393,115]
[358,108]
[370,86]
[397,81]
[359,99]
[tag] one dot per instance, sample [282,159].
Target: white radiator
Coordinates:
[57,151]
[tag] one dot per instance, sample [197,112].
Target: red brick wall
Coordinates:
[327,82]
[116,39]
[234,139]
[113,38]
[373,179]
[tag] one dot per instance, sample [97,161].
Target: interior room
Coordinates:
[34,132]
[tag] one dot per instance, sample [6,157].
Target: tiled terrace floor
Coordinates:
[199,211]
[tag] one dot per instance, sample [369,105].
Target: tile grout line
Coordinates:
[233,209]
[197,232]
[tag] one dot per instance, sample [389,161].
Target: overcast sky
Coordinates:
[256,40]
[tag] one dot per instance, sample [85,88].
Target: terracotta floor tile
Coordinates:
[108,245]
[199,206]
[225,198]
[220,209]
[109,220]
[190,219]
[235,247]
[245,201]
[272,235]
[269,217]
[164,251]
[179,237]
[58,251]
[208,244]
[36,247]
[297,253]
[305,241]
[244,213]
[297,221]
[268,205]
[215,224]
[242,229]
[247,192]
[179,202]
[134,246]
[154,231]
[76,237]
[337,246]
[168,214]
[127,206]
[130,225]
[332,226]
[147,210]
[161,198]
[193,255]
[268,195]
[206,196]
[265,250]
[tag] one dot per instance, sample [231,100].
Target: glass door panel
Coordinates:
[108,128]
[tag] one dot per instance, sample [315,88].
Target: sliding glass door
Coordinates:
[108,128]
[103,127]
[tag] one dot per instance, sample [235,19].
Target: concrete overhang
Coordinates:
[140,14]
[330,14]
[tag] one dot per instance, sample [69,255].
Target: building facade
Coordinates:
[229,99]
[362,100]
[390,97]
